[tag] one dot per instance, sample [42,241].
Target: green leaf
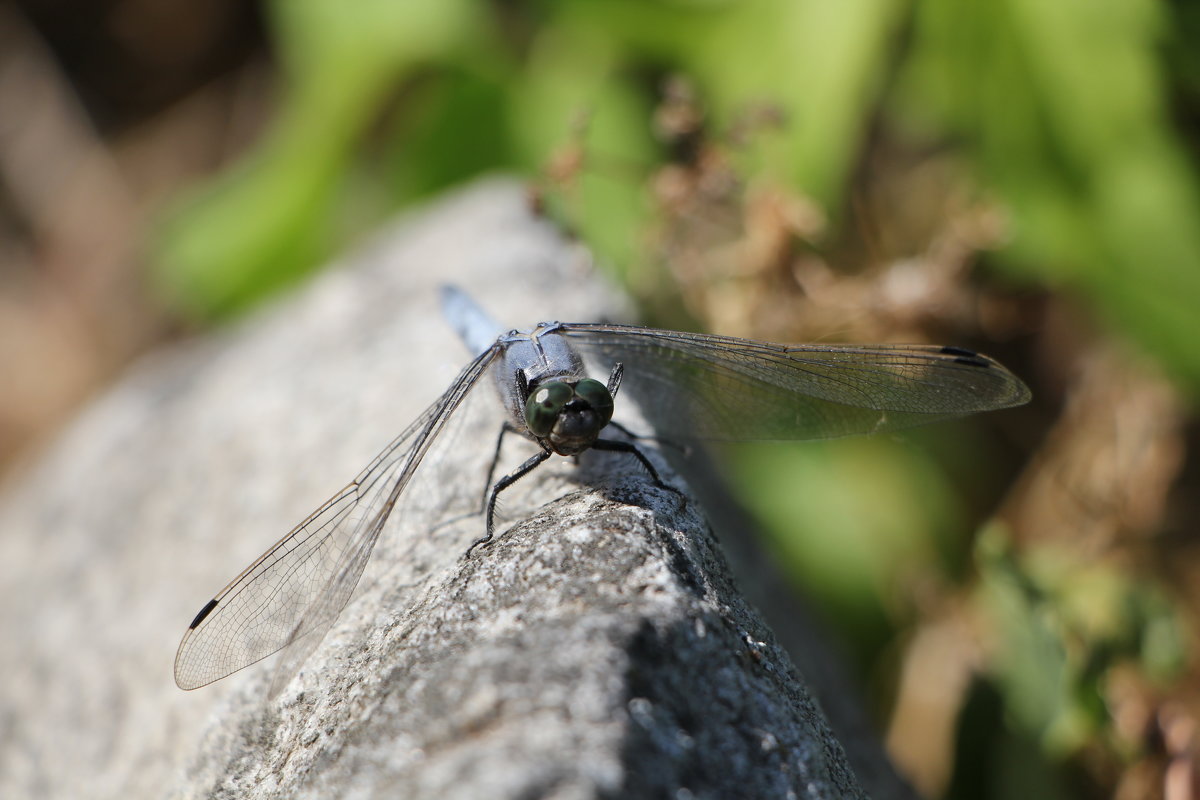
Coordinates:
[1063,105]
[270,219]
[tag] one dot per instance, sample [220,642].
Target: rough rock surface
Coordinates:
[598,649]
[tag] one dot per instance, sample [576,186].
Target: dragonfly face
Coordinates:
[568,415]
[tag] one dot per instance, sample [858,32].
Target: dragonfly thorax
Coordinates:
[567,416]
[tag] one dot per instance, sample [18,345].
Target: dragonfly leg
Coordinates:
[683,449]
[613,446]
[505,429]
[501,485]
[614,378]
[614,383]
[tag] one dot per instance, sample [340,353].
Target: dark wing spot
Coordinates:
[964,356]
[204,612]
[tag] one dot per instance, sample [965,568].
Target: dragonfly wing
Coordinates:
[721,387]
[292,593]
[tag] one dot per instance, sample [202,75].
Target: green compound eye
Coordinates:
[544,404]
[596,395]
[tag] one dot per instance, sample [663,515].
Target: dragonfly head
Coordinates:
[568,415]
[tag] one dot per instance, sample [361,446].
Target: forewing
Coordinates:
[292,593]
[721,387]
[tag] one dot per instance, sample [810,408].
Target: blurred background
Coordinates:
[1017,593]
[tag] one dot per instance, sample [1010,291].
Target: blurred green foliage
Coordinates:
[1063,106]
[501,87]
[1060,106]
[1062,627]
[1060,109]
[848,517]
[273,217]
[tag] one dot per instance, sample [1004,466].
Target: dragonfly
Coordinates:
[688,385]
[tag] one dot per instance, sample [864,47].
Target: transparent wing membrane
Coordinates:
[721,387]
[293,592]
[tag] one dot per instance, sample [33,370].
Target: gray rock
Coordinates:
[599,649]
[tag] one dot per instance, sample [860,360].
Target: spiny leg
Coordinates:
[614,378]
[487,484]
[613,446]
[614,384]
[683,449]
[505,429]
[501,485]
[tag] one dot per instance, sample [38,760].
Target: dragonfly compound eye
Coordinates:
[596,395]
[543,406]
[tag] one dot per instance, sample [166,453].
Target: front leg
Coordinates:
[614,384]
[501,485]
[613,446]
[683,449]
[505,429]
[614,378]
